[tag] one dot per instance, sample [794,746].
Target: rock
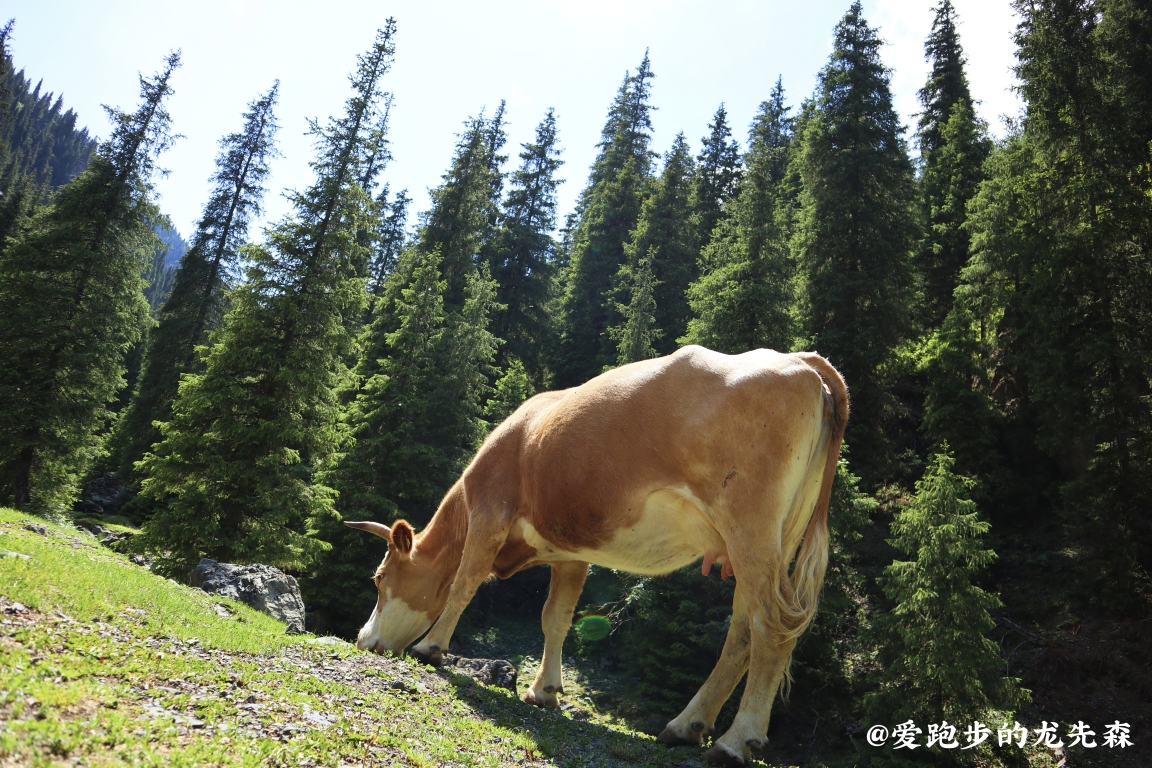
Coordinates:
[105,491]
[495,672]
[573,711]
[115,537]
[107,536]
[87,526]
[262,587]
[88,508]
[32,525]
[329,640]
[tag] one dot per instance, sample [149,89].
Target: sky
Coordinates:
[457,57]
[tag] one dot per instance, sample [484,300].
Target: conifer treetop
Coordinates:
[947,83]
[772,126]
[628,131]
[241,170]
[718,173]
[137,137]
[532,200]
[342,153]
[855,73]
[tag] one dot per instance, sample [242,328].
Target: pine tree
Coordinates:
[855,233]
[237,473]
[1060,250]
[717,175]
[953,147]
[609,208]
[416,417]
[465,209]
[744,298]
[511,389]
[638,332]
[662,255]
[71,304]
[391,238]
[39,142]
[196,302]
[522,256]
[936,662]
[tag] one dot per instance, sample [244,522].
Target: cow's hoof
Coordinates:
[673,739]
[721,755]
[434,657]
[543,700]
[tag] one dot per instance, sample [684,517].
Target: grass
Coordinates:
[104,663]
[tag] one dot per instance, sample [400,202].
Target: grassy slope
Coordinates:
[104,663]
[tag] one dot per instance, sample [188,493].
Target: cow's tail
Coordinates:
[807,575]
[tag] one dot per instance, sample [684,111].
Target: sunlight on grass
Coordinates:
[67,571]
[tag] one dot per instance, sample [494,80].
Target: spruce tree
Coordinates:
[953,147]
[522,256]
[609,208]
[236,475]
[416,416]
[196,302]
[465,209]
[510,391]
[718,175]
[935,661]
[744,297]
[855,232]
[71,304]
[40,144]
[662,257]
[1058,273]
[391,237]
[638,332]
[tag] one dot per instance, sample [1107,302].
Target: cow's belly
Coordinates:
[671,531]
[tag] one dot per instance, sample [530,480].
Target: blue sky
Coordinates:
[455,58]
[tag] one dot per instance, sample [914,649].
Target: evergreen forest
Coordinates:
[988,300]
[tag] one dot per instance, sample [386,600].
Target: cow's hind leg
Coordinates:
[697,719]
[771,648]
[563,594]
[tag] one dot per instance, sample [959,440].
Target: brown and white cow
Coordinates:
[645,469]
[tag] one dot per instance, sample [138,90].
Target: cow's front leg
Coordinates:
[480,548]
[696,721]
[563,594]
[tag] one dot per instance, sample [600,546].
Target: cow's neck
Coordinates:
[442,541]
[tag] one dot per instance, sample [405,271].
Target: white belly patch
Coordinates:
[671,532]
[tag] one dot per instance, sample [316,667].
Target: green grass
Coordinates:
[69,572]
[109,664]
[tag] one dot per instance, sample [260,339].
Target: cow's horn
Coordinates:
[380,530]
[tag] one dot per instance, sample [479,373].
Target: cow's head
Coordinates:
[409,593]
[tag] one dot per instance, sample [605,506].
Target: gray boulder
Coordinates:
[494,672]
[262,587]
[105,492]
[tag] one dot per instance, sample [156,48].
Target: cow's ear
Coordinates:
[402,534]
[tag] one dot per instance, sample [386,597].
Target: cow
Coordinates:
[646,468]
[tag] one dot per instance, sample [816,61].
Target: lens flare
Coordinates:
[593,626]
